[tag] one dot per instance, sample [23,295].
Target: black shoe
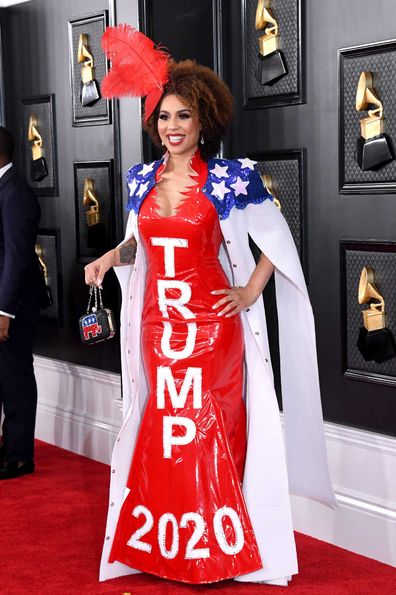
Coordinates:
[13,469]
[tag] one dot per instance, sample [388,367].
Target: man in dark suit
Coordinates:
[20,295]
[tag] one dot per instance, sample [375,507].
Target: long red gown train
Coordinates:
[184,517]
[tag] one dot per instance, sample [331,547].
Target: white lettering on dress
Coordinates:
[169,440]
[189,520]
[187,349]
[177,303]
[169,245]
[193,378]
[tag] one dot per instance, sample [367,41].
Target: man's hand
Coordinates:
[4,327]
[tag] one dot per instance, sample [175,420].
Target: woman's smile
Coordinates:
[175,140]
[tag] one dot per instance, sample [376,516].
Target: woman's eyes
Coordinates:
[182,116]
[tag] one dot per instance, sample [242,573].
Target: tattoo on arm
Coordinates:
[127,253]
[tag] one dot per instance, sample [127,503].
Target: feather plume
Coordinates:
[137,66]
[151,102]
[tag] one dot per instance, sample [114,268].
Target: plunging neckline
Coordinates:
[195,165]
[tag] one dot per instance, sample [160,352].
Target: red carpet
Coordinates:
[52,526]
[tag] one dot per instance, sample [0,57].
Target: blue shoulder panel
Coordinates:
[230,183]
[140,179]
[234,183]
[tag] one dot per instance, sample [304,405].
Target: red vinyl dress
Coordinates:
[184,517]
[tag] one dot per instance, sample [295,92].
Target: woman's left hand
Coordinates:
[236,299]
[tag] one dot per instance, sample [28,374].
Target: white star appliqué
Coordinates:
[219,189]
[146,169]
[239,186]
[220,171]
[142,189]
[247,163]
[132,187]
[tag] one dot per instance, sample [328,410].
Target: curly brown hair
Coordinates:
[206,95]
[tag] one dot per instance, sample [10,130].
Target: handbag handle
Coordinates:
[93,292]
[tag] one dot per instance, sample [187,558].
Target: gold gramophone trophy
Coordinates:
[96,235]
[38,166]
[89,87]
[269,184]
[48,300]
[373,148]
[271,64]
[375,341]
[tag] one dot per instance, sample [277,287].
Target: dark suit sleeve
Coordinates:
[20,216]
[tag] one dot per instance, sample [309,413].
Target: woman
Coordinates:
[177,506]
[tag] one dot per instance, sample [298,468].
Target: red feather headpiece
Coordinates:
[138,68]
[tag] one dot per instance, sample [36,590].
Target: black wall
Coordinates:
[331,217]
[36,55]
[211,32]
[184,27]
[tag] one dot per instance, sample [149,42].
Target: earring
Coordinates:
[162,143]
[202,140]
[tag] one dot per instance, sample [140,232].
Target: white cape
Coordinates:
[271,470]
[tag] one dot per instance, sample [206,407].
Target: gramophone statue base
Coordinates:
[38,169]
[376,346]
[89,93]
[97,238]
[373,153]
[270,68]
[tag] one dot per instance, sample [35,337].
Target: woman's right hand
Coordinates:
[96,270]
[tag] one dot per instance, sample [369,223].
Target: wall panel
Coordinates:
[330,216]
[38,67]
